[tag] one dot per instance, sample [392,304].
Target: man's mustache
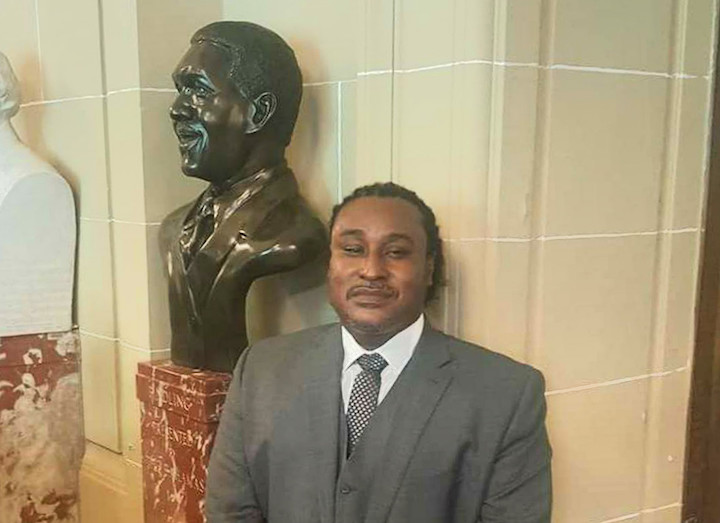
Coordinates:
[370,288]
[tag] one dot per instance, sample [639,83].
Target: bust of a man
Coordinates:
[37,230]
[239,89]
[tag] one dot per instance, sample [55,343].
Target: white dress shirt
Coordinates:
[397,351]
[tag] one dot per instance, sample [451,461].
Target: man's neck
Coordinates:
[369,340]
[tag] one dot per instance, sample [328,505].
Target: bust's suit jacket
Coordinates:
[264,227]
[460,438]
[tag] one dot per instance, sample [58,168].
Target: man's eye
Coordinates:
[352,249]
[397,253]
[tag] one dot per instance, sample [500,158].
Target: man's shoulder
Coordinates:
[484,366]
[304,338]
[292,345]
[282,362]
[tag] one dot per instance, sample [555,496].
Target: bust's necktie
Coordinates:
[363,396]
[198,229]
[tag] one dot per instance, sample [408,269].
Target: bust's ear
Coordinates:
[261,110]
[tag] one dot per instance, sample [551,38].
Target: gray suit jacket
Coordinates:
[459,438]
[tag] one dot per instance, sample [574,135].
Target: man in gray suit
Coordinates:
[381,418]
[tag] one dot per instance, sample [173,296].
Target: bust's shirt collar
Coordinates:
[235,194]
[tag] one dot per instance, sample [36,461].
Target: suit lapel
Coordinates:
[422,384]
[323,393]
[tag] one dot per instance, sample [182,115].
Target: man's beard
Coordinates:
[368,328]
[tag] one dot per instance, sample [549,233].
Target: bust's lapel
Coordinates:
[423,382]
[204,268]
[236,230]
[322,382]
[171,228]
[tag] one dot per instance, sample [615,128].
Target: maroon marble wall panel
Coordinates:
[180,412]
[41,428]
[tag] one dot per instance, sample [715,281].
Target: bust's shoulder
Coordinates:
[293,217]
[307,231]
[172,223]
[297,234]
[178,215]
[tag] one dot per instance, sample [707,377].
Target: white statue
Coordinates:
[37,231]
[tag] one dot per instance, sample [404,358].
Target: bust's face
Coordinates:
[210,116]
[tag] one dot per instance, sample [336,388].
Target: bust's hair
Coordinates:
[9,90]
[261,62]
[427,216]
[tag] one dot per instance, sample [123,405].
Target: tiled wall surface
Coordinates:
[562,144]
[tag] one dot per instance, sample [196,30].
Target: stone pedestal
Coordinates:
[41,428]
[180,413]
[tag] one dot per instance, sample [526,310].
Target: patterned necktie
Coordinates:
[364,396]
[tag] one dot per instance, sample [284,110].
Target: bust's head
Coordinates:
[9,90]
[239,87]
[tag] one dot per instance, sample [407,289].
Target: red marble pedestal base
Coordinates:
[41,428]
[180,412]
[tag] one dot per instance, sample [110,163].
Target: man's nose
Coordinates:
[180,110]
[373,267]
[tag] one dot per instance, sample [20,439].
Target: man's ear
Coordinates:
[261,110]
[429,270]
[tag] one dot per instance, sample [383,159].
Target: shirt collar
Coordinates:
[396,351]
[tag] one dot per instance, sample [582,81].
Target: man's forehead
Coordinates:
[386,215]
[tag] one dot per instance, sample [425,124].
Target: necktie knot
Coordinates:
[207,208]
[372,362]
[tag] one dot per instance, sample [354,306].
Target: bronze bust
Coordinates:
[239,88]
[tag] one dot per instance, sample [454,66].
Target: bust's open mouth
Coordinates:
[189,135]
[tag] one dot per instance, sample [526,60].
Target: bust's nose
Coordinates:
[179,110]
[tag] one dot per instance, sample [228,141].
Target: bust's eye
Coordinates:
[202,92]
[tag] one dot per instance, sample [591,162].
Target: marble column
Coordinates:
[41,428]
[180,412]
